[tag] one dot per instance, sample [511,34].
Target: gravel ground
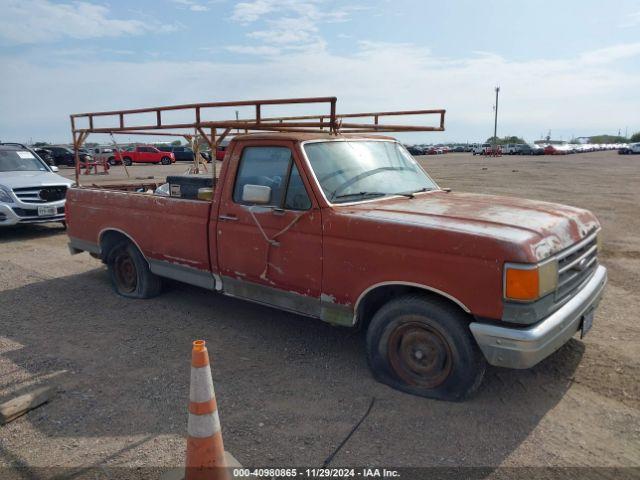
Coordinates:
[289,389]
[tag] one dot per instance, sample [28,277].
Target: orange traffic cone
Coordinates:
[205,451]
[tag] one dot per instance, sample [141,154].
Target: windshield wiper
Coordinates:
[359,194]
[412,193]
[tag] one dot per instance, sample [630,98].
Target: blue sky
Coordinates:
[572,67]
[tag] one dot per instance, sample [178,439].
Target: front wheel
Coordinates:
[112,161]
[165,161]
[127,161]
[130,273]
[423,346]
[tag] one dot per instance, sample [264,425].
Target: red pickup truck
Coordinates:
[349,229]
[144,154]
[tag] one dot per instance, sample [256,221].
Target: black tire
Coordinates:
[112,161]
[127,161]
[165,161]
[129,272]
[423,346]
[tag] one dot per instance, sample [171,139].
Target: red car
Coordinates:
[144,154]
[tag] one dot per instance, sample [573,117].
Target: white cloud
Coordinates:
[611,54]
[193,5]
[253,50]
[246,12]
[290,24]
[632,20]
[35,21]
[565,94]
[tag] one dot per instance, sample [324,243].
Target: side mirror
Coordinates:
[257,194]
[54,168]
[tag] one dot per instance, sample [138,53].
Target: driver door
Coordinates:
[271,252]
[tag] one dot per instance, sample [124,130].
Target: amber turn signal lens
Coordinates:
[522,284]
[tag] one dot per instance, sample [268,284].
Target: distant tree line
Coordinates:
[505,140]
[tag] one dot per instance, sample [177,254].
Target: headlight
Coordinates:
[5,195]
[526,283]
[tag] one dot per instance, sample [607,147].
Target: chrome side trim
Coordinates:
[514,347]
[182,273]
[409,284]
[273,297]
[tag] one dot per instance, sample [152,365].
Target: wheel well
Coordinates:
[110,239]
[378,296]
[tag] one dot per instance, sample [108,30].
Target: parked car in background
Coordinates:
[458,148]
[629,149]
[531,149]
[184,153]
[30,190]
[101,154]
[415,150]
[65,156]
[144,154]
[433,150]
[45,155]
[509,149]
[482,149]
[556,150]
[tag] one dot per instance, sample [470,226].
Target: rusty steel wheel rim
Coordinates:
[126,273]
[419,354]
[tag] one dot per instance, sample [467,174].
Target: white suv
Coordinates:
[30,191]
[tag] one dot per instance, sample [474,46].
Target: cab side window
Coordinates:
[272,167]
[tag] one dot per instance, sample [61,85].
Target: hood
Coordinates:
[541,228]
[32,179]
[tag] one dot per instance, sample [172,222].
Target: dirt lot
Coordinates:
[290,389]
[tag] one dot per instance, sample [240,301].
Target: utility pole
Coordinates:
[495,123]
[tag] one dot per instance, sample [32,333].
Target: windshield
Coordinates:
[12,160]
[356,170]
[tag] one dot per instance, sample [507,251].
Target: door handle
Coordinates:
[228,217]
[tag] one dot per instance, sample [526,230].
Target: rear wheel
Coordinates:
[423,346]
[127,161]
[165,161]
[129,272]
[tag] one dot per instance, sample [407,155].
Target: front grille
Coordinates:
[25,212]
[575,266]
[40,194]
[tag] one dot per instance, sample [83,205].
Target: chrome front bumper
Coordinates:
[9,217]
[524,347]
